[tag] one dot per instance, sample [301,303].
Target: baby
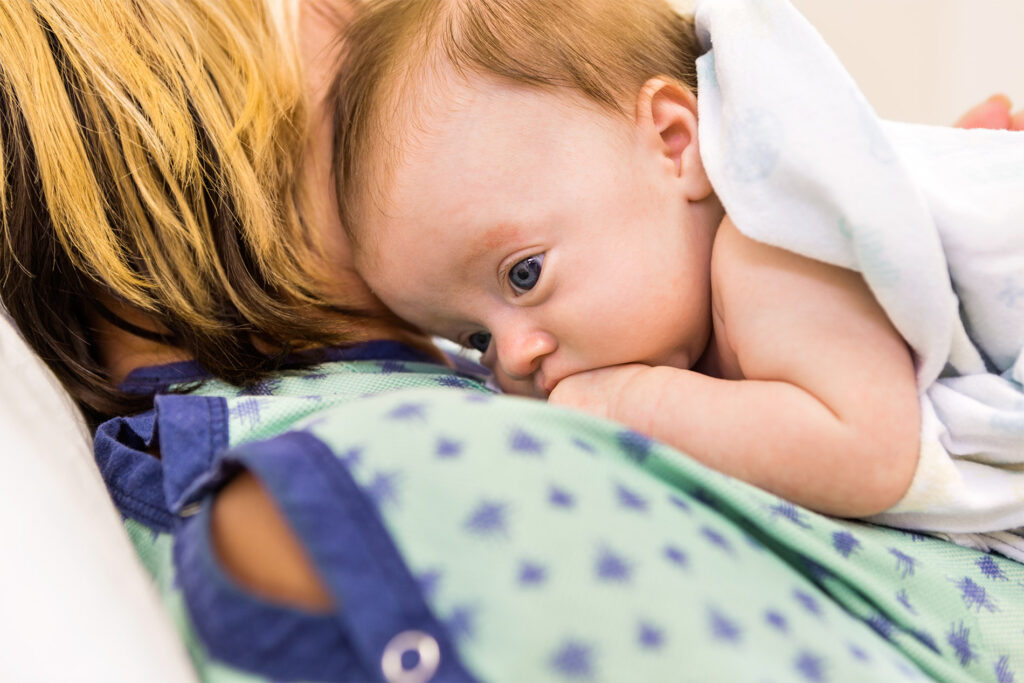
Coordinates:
[524,177]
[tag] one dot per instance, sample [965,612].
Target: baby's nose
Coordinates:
[520,353]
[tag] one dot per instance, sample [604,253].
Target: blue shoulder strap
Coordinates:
[381,605]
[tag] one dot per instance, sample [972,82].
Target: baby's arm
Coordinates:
[828,415]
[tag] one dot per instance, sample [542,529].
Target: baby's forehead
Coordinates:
[470,151]
[412,110]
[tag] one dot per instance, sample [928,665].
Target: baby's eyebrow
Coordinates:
[484,243]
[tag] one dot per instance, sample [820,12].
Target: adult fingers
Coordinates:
[992,113]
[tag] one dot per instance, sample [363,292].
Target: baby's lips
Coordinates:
[540,390]
[544,385]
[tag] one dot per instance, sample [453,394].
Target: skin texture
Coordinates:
[650,307]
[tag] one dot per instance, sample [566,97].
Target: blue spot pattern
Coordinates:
[845,543]
[448,448]
[630,499]
[612,567]
[635,445]
[776,620]
[247,411]
[723,628]
[858,653]
[990,569]
[959,638]
[974,595]
[650,637]
[532,573]
[461,622]
[523,443]
[904,599]
[574,661]
[905,564]
[791,513]
[1002,670]
[679,503]
[810,667]
[454,382]
[559,497]
[408,411]
[583,445]
[266,387]
[676,556]
[383,489]
[489,519]
[716,539]
[808,602]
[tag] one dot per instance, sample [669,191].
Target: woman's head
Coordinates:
[150,153]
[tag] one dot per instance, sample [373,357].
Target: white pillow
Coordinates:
[76,603]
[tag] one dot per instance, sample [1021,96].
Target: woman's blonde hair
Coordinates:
[150,153]
[604,50]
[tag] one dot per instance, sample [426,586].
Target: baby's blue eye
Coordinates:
[480,341]
[524,275]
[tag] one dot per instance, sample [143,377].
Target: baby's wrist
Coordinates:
[637,402]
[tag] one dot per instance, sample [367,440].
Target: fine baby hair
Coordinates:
[606,51]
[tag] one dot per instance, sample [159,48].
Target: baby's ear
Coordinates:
[666,113]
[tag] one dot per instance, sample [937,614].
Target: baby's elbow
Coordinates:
[888,454]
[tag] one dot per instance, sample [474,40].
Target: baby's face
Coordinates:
[545,232]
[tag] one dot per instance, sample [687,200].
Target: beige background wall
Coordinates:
[924,60]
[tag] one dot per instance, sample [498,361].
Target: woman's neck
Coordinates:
[122,351]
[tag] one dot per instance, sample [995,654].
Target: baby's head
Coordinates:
[524,177]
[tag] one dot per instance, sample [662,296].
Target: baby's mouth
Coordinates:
[543,385]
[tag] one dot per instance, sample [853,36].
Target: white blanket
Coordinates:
[933,218]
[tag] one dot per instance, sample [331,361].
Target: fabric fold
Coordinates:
[932,218]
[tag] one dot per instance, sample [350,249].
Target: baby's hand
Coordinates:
[995,113]
[598,392]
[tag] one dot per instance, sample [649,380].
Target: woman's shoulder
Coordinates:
[259,550]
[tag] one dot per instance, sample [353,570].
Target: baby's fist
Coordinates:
[598,392]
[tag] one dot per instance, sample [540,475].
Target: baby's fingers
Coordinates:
[1017,121]
[992,113]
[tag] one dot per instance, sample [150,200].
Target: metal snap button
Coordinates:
[410,657]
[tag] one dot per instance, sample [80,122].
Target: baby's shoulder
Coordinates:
[731,253]
[725,242]
[738,261]
[749,278]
